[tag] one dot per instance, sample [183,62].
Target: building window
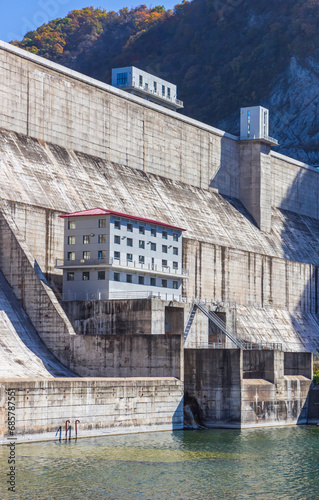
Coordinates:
[155,86]
[117,224]
[117,239]
[117,255]
[129,257]
[168,92]
[153,232]
[101,275]
[71,224]
[116,276]
[153,247]
[141,280]
[102,222]
[86,255]
[121,79]
[129,278]
[164,235]
[102,238]
[141,229]
[175,265]
[86,275]
[101,254]
[129,242]
[141,244]
[71,255]
[86,239]
[70,276]
[140,81]
[163,90]
[175,251]
[129,227]
[146,86]
[141,259]
[175,285]
[248,123]
[153,281]
[164,283]
[164,248]
[71,240]
[175,237]
[164,263]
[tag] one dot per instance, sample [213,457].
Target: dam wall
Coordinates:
[102,406]
[53,104]
[69,143]
[272,277]
[49,102]
[235,388]
[25,277]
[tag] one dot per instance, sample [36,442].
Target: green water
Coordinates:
[265,464]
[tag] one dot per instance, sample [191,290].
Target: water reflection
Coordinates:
[264,464]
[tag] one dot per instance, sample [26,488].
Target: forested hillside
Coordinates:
[221,54]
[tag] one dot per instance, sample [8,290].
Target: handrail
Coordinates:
[218,322]
[111,262]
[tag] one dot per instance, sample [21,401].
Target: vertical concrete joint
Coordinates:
[255,182]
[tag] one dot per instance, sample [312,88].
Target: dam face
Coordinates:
[251,215]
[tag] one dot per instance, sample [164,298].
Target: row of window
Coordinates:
[117,225]
[140,82]
[117,239]
[128,278]
[87,239]
[86,255]
[72,223]
[141,230]
[141,244]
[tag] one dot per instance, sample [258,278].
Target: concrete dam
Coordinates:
[71,143]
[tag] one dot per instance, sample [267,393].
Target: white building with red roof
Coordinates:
[112,255]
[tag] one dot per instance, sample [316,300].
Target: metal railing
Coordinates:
[203,345]
[259,346]
[112,262]
[149,90]
[220,324]
[239,342]
[248,346]
[105,295]
[270,139]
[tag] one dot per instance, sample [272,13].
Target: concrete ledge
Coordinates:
[40,409]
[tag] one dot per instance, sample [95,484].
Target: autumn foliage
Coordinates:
[81,28]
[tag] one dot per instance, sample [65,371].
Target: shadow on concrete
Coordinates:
[300,242]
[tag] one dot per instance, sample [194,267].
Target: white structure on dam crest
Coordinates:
[143,84]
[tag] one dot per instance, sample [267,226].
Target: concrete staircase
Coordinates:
[22,352]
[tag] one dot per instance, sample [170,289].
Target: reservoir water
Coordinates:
[264,464]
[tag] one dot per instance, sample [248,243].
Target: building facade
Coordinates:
[148,86]
[254,124]
[110,255]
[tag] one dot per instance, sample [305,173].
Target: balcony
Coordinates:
[123,265]
[145,91]
[264,138]
[124,295]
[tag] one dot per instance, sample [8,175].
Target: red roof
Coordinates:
[104,211]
